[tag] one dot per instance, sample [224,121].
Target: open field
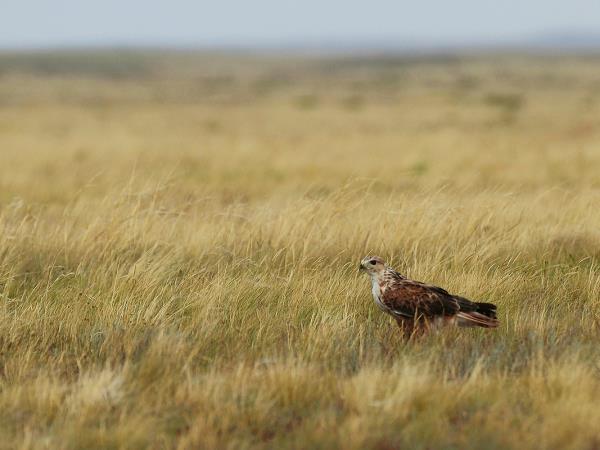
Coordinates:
[180,237]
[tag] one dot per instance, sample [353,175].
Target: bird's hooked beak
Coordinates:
[361,268]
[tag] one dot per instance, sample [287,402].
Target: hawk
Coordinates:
[418,307]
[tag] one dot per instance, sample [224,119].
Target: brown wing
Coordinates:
[413,300]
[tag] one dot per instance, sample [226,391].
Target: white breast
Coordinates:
[376,291]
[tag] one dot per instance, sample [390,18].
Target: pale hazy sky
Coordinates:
[26,23]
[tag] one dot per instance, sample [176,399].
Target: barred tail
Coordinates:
[487,309]
[476,319]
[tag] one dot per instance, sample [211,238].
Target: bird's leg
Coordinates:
[420,329]
[407,327]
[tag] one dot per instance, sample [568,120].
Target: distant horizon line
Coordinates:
[548,41]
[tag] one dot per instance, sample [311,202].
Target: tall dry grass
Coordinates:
[181,271]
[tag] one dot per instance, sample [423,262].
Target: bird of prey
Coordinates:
[418,307]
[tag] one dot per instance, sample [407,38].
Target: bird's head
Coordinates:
[372,265]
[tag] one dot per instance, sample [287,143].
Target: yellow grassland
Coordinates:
[179,252]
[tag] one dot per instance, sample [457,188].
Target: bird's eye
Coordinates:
[372,262]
